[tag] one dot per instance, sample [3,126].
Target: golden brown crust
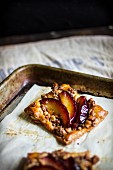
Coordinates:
[61,160]
[65,135]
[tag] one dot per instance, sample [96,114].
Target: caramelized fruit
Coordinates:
[69,102]
[65,107]
[82,110]
[57,164]
[54,106]
[42,168]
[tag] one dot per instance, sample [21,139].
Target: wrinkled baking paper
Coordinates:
[19,135]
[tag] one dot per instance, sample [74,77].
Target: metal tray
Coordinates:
[14,87]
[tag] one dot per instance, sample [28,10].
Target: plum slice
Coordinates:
[82,110]
[69,102]
[54,106]
[55,163]
[42,168]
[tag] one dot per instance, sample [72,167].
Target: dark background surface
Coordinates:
[25,17]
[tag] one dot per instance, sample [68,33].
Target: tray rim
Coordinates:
[52,68]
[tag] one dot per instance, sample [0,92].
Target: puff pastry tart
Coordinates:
[60,160]
[65,113]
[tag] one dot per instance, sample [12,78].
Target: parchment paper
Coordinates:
[19,135]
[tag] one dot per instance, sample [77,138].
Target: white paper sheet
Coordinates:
[20,136]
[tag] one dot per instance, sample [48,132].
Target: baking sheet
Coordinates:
[19,135]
